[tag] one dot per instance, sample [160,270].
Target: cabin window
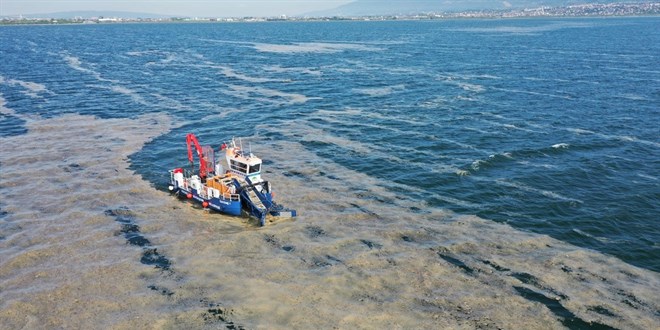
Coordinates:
[238,166]
[255,168]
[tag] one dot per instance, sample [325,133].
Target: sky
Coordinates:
[192,8]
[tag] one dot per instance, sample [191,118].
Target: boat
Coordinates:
[232,185]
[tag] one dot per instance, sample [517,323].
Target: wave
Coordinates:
[280,69]
[3,107]
[170,103]
[519,156]
[585,234]
[462,172]
[472,87]
[231,73]
[466,98]
[308,133]
[528,163]
[150,99]
[169,58]
[634,97]
[333,120]
[514,127]
[302,47]
[467,76]
[561,146]
[268,95]
[134,95]
[634,70]
[392,118]
[177,60]
[335,113]
[492,160]
[481,131]
[436,102]
[456,80]
[567,97]
[359,119]
[628,138]
[313,47]
[142,52]
[527,188]
[76,64]
[545,79]
[120,87]
[380,91]
[31,89]
[647,176]
[465,145]
[624,138]
[580,131]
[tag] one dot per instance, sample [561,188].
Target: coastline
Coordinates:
[649,9]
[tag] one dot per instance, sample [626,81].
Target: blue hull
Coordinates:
[222,205]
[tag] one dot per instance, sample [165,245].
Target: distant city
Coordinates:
[585,10]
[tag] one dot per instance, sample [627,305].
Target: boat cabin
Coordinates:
[243,164]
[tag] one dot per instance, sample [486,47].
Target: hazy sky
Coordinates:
[203,8]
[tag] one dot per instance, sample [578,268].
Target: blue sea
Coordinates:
[456,173]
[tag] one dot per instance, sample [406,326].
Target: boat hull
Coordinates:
[222,205]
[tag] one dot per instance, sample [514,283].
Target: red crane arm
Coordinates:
[191,138]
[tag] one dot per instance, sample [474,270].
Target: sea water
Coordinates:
[455,173]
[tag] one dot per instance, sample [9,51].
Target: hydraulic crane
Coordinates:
[204,153]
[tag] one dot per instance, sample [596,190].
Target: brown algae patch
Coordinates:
[100,248]
[64,267]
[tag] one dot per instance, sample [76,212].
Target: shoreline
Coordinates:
[622,9]
[484,18]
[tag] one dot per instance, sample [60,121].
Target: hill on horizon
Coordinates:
[398,7]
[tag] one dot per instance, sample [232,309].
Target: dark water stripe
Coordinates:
[567,318]
[6,228]
[601,310]
[11,126]
[162,290]
[371,245]
[131,231]
[456,263]
[447,256]
[495,266]
[532,280]
[314,231]
[150,256]
[272,240]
